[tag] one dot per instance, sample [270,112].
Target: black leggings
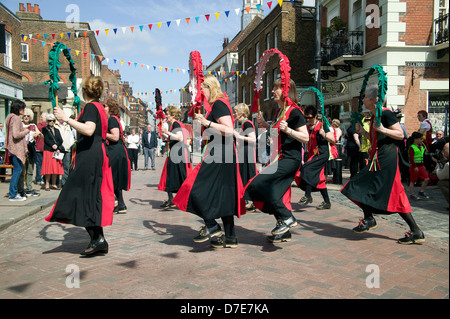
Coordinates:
[408,218]
[228,225]
[323,192]
[119,197]
[95,232]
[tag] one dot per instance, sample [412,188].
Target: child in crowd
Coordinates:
[417,169]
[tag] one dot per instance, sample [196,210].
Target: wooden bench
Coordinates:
[7,166]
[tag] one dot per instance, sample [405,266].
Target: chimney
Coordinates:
[29,7]
[37,9]
[22,7]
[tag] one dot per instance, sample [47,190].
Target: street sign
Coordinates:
[333,88]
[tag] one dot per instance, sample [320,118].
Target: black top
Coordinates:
[52,137]
[290,147]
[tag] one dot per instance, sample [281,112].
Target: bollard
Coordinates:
[337,175]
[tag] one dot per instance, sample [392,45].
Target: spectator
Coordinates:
[16,146]
[133,144]
[149,145]
[2,145]
[417,169]
[353,147]
[442,172]
[27,178]
[425,128]
[439,135]
[40,150]
[51,166]
[68,141]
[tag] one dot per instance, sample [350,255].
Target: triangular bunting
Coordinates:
[247,9]
[132,29]
[150,26]
[168,23]
[207,17]
[159,25]
[106,31]
[269,3]
[280,2]
[187,20]
[217,15]
[227,13]
[141,27]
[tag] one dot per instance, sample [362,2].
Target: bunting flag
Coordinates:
[222,76]
[178,21]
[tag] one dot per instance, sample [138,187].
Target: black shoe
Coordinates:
[32,194]
[224,242]
[286,237]
[99,246]
[284,225]
[324,206]
[120,210]
[206,234]
[250,209]
[411,238]
[305,200]
[167,204]
[365,225]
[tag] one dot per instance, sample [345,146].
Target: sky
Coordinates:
[167,46]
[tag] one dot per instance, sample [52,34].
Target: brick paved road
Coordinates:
[152,255]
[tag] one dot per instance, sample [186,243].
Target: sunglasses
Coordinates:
[51,121]
[26,116]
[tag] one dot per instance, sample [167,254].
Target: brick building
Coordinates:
[116,88]
[11,87]
[38,38]
[408,38]
[289,28]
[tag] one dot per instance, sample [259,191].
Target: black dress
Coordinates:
[246,154]
[378,185]
[270,190]
[118,158]
[87,198]
[313,171]
[213,189]
[178,164]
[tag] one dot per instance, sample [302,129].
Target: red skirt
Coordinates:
[50,165]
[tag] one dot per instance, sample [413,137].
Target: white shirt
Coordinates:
[133,141]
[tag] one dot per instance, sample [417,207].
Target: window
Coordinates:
[243,63]
[8,54]
[357,16]
[257,52]
[25,53]
[268,41]
[275,38]
[244,93]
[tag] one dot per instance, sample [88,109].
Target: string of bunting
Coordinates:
[224,76]
[149,26]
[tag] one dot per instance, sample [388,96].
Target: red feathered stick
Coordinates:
[195,86]
[159,112]
[285,69]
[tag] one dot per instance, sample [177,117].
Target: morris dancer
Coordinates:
[270,190]
[377,189]
[118,156]
[178,163]
[213,189]
[312,176]
[246,146]
[87,198]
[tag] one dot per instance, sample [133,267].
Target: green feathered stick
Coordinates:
[54,65]
[382,90]
[325,121]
